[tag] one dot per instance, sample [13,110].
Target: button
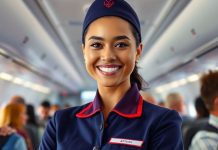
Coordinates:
[95,148]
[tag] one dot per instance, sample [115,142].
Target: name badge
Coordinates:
[129,142]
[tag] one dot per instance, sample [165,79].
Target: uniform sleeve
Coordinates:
[167,134]
[49,141]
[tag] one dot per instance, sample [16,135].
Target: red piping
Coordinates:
[138,114]
[139,110]
[82,115]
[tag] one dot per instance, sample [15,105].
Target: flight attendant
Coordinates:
[118,118]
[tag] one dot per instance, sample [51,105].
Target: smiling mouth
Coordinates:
[109,69]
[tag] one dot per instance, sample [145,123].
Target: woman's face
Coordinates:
[110,51]
[23,117]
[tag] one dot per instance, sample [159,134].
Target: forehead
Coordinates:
[109,25]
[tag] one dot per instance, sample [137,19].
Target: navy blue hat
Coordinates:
[119,8]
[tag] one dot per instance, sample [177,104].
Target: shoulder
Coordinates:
[15,137]
[203,140]
[16,142]
[160,118]
[61,124]
[69,113]
[163,123]
[20,143]
[154,108]
[205,135]
[71,110]
[155,112]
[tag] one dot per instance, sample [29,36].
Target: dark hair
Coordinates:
[31,115]
[135,77]
[201,108]
[209,86]
[46,104]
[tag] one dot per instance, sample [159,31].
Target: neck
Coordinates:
[110,96]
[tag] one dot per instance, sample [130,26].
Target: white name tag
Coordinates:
[129,142]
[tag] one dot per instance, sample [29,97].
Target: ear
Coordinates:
[139,51]
[83,48]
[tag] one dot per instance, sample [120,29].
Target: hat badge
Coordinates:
[108,3]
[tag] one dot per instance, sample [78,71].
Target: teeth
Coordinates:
[109,70]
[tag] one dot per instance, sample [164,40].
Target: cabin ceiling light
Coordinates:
[2,51]
[193,78]
[177,83]
[6,76]
[182,82]
[18,81]
[27,84]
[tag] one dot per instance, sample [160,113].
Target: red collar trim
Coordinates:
[137,114]
[82,114]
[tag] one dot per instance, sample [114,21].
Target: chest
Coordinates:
[93,133]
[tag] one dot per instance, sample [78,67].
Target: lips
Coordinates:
[108,69]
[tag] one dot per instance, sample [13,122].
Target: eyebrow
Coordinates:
[121,37]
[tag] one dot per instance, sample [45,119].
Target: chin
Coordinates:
[107,84]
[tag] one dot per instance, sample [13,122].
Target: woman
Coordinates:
[14,116]
[32,126]
[118,118]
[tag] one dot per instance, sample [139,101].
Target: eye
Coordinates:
[121,45]
[96,45]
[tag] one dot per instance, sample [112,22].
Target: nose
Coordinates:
[108,54]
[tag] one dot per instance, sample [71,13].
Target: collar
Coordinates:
[130,106]
[213,120]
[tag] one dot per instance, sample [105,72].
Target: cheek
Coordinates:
[90,60]
[130,59]
[23,117]
[131,66]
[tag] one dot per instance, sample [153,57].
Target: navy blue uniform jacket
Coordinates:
[132,125]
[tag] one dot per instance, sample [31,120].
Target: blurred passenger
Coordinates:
[148,97]
[14,115]
[32,126]
[176,102]
[207,138]
[44,113]
[161,104]
[31,132]
[201,109]
[7,134]
[198,123]
[20,100]
[67,105]
[8,130]
[17,99]
[54,108]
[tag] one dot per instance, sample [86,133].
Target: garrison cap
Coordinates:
[118,8]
